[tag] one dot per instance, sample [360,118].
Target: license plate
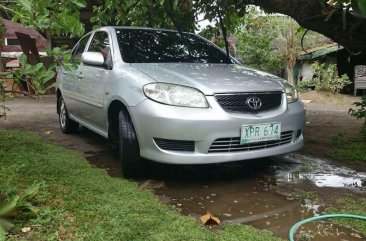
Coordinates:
[260,132]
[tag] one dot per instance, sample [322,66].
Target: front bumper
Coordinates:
[204,126]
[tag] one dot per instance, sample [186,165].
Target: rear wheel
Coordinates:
[129,151]
[67,125]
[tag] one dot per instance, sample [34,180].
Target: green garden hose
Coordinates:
[293,229]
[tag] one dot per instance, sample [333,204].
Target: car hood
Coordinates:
[212,78]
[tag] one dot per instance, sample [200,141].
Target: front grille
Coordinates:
[174,145]
[233,144]
[238,102]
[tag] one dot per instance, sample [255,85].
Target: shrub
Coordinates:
[360,113]
[327,79]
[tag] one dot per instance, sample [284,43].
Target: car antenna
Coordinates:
[224,34]
[177,27]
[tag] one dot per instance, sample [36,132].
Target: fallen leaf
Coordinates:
[209,219]
[26,229]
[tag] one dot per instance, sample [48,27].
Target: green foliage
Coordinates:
[271,42]
[3,77]
[338,140]
[327,79]
[2,31]
[36,76]
[351,152]
[154,13]
[231,12]
[59,17]
[359,6]
[254,37]
[150,13]
[62,57]
[360,113]
[87,204]
[287,44]
[15,206]
[209,32]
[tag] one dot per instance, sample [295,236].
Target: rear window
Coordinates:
[159,46]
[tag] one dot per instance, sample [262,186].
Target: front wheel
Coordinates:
[129,151]
[67,125]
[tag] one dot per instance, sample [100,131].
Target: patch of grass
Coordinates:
[354,151]
[302,194]
[312,140]
[350,206]
[338,139]
[80,202]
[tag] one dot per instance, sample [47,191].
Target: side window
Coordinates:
[100,43]
[79,49]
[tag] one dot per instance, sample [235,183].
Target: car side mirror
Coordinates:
[92,58]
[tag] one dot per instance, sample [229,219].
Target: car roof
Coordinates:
[137,27]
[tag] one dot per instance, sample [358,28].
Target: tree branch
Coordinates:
[311,15]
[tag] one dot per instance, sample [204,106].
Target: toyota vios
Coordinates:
[175,98]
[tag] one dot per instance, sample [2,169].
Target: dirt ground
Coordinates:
[327,118]
[263,193]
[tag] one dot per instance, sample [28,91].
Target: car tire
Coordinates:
[66,124]
[129,151]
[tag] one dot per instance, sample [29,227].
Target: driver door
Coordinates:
[93,82]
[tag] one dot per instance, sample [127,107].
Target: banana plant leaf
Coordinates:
[359,6]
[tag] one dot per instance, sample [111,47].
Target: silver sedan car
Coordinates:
[175,98]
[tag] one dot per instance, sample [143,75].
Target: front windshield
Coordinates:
[159,46]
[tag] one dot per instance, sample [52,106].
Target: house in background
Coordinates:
[324,54]
[11,48]
[333,53]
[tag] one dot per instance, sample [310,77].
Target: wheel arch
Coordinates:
[58,95]
[114,107]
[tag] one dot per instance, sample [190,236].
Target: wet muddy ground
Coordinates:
[262,193]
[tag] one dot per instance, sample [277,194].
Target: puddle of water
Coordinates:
[318,172]
[247,202]
[326,231]
[248,199]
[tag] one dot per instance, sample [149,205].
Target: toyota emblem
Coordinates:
[254,103]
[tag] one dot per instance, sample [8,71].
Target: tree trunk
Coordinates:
[49,38]
[1,63]
[311,15]
[290,74]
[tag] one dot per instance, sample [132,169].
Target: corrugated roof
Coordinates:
[320,51]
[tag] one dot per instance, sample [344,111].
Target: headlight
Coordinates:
[177,95]
[291,93]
